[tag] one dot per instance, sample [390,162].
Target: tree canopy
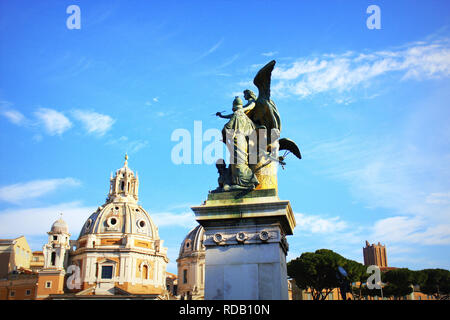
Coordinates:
[318,271]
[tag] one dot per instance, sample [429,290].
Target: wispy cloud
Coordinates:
[438,198]
[127,145]
[38,220]
[343,72]
[166,219]
[154,100]
[14,116]
[412,230]
[390,173]
[210,50]
[94,123]
[19,192]
[54,122]
[319,224]
[269,54]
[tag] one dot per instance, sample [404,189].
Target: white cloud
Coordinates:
[318,224]
[165,219]
[343,72]
[388,173]
[210,50]
[438,198]
[93,122]
[55,122]
[38,221]
[269,54]
[127,145]
[14,116]
[19,192]
[411,229]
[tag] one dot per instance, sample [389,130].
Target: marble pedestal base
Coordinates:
[246,247]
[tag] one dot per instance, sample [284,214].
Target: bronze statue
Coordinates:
[224,180]
[253,131]
[236,136]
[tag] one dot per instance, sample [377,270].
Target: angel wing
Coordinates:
[288,144]
[265,112]
[262,80]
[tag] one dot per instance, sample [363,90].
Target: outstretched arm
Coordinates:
[228,116]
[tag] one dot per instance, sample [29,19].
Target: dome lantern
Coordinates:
[124,185]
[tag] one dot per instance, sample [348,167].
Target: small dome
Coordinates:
[59,226]
[193,241]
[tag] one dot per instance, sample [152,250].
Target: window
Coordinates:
[12,293]
[28,292]
[55,237]
[145,271]
[202,270]
[107,272]
[184,276]
[48,284]
[53,258]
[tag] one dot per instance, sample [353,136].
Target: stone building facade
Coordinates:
[118,253]
[375,254]
[191,266]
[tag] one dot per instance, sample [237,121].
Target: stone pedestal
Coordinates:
[246,247]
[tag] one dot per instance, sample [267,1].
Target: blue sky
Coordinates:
[368,108]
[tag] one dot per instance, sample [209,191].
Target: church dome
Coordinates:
[120,217]
[193,242]
[59,227]
[121,213]
[119,248]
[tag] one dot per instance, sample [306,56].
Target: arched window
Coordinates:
[122,185]
[145,271]
[53,259]
[185,279]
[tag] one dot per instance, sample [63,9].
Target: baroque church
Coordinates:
[118,252]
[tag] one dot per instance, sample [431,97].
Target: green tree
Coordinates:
[399,282]
[317,271]
[436,282]
[357,273]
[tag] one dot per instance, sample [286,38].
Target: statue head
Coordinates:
[237,103]
[249,94]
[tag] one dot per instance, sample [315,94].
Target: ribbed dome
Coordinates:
[120,217]
[121,213]
[59,226]
[193,242]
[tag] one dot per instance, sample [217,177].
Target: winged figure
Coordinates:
[264,113]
